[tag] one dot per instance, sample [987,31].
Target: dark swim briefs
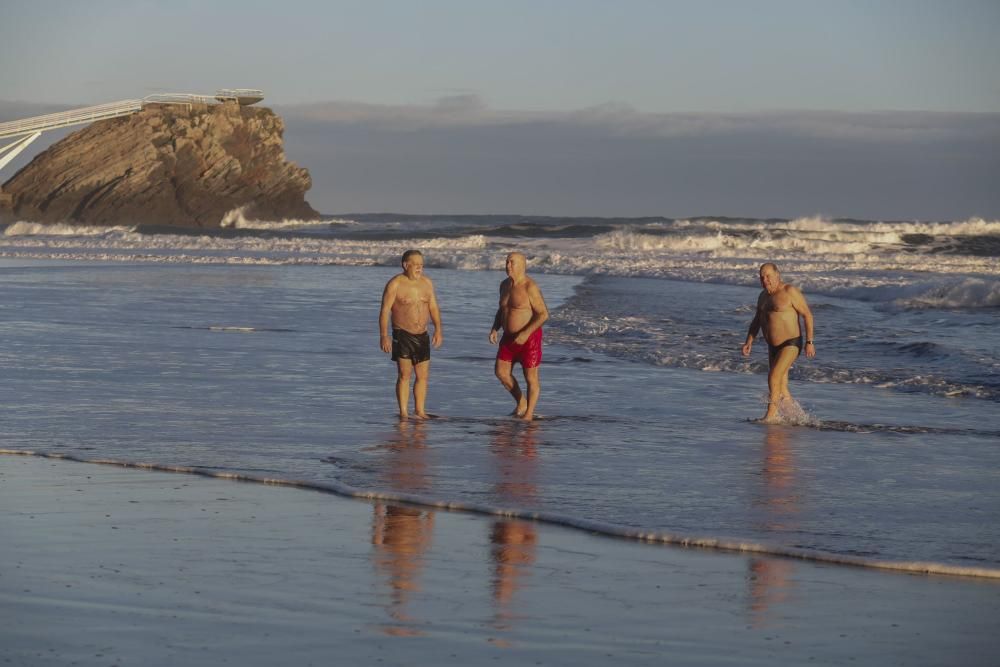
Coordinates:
[415,347]
[528,355]
[793,342]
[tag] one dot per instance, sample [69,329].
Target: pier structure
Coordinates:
[23,132]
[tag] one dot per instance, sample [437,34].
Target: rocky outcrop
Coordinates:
[185,165]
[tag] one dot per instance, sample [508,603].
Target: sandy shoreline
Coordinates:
[112,566]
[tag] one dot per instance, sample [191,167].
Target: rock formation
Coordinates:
[185,165]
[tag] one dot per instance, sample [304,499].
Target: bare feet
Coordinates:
[421,415]
[526,417]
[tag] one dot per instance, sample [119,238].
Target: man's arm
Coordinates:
[539,313]
[388,299]
[802,308]
[754,328]
[498,318]
[435,317]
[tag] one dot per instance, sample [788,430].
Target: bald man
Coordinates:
[521,314]
[779,308]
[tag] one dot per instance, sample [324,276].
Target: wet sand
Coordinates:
[111,566]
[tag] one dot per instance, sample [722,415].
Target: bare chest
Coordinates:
[778,303]
[515,298]
[412,295]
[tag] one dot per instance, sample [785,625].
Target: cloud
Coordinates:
[616,119]
[459,155]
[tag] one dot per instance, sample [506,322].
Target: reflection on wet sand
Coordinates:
[770,579]
[514,449]
[401,535]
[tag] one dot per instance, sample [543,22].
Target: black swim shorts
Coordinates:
[415,347]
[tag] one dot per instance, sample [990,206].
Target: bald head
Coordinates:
[516,265]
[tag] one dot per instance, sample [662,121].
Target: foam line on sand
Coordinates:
[606,529]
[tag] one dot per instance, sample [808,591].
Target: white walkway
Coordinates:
[28,129]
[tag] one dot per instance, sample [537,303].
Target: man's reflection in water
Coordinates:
[401,535]
[513,447]
[770,579]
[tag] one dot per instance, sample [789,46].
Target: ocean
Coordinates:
[254,351]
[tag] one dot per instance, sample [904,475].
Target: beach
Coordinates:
[252,354]
[106,565]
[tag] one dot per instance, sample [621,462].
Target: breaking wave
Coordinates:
[966,293]
[907,265]
[236,219]
[23,228]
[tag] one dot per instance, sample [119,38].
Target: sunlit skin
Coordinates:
[522,311]
[409,302]
[779,308]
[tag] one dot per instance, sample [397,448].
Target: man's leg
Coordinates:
[422,371]
[503,373]
[534,389]
[777,379]
[405,366]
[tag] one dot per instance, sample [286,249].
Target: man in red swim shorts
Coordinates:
[521,314]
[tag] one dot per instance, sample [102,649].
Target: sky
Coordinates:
[882,109]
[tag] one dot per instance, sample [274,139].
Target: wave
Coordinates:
[598,527]
[23,228]
[967,293]
[899,284]
[602,317]
[716,362]
[878,262]
[236,219]
[969,227]
[853,242]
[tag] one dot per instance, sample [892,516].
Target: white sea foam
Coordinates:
[967,293]
[22,228]
[236,219]
[870,261]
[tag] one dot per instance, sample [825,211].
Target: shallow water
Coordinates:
[276,371]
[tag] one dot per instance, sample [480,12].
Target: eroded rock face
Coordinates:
[185,165]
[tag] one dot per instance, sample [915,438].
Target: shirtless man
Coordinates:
[409,300]
[779,308]
[521,314]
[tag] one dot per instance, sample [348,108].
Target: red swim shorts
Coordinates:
[528,355]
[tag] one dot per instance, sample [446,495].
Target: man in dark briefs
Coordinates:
[779,308]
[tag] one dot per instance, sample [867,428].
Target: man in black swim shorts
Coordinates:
[779,308]
[409,302]
[416,348]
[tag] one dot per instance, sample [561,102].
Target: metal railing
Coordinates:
[27,130]
[178,98]
[18,128]
[52,121]
[236,93]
